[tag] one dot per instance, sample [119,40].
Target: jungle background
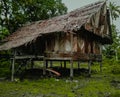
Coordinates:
[16,13]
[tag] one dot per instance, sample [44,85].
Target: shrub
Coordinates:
[115,94]
[116,68]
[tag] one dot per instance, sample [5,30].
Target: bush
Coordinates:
[116,68]
[4,63]
[5,72]
[116,94]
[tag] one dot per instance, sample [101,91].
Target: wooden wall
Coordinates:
[67,42]
[61,43]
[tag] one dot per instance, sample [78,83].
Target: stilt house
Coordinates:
[76,36]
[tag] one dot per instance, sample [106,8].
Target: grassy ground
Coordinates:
[105,84]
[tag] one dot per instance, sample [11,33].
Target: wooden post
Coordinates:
[78,64]
[100,66]
[89,67]
[51,64]
[46,64]
[64,64]
[13,66]
[71,61]
[44,67]
[71,69]
[61,64]
[32,64]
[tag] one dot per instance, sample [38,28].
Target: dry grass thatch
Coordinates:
[70,22]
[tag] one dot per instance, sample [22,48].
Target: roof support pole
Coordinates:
[71,69]
[51,64]
[61,64]
[100,66]
[44,66]
[13,65]
[89,67]
[32,64]
[71,61]
[78,64]
[64,64]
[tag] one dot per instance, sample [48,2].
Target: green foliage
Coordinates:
[4,63]
[3,32]
[15,13]
[111,51]
[116,68]
[111,66]
[4,68]
[115,10]
[5,72]
[115,94]
[105,84]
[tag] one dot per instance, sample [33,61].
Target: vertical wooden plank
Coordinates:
[13,65]
[71,69]
[46,46]
[71,43]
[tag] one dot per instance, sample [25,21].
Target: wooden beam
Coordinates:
[29,57]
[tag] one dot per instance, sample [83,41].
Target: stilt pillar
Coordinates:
[13,65]
[46,64]
[64,64]
[89,67]
[78,64]
[44,67]
[100,66]
[51,65]
[61,64]
[32,64]
[71,69]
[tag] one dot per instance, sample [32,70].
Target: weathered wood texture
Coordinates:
[93,18]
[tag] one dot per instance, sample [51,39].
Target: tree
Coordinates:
[15,13]
[114,10]
[112,50]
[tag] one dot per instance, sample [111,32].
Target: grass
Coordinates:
[105,84]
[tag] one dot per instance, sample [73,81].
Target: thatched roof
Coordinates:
[70,22]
